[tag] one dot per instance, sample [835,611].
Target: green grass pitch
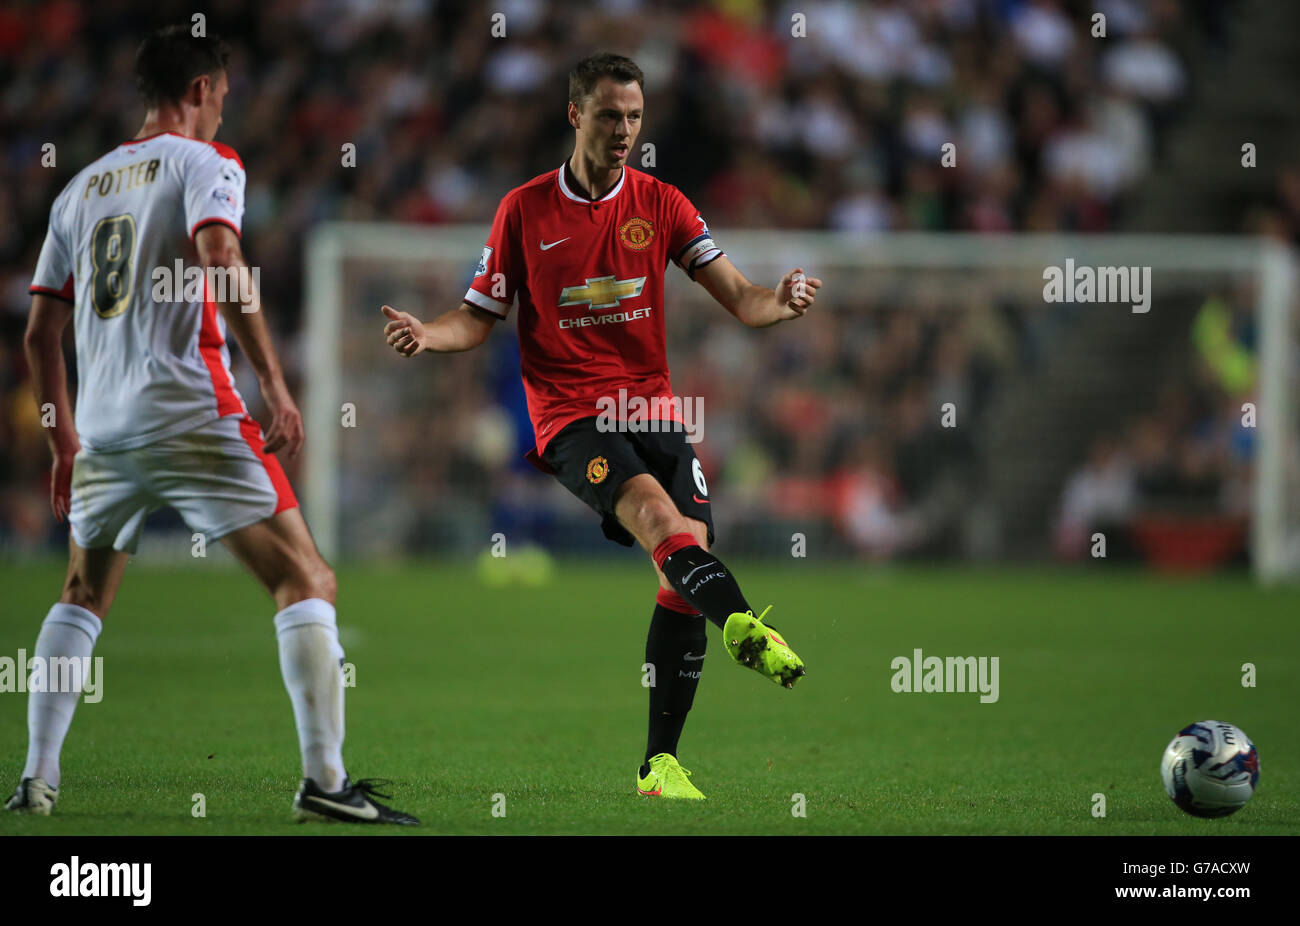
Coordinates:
[464,692]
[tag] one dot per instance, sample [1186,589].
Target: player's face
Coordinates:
[210,106]
[609,122]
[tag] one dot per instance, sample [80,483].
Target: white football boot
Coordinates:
[34,795]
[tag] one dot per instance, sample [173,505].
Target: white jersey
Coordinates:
[151,353]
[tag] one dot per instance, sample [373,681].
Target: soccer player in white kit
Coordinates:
[158,418]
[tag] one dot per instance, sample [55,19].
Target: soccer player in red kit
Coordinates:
[584,248]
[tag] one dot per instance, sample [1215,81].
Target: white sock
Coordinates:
[310,661]
[69,631]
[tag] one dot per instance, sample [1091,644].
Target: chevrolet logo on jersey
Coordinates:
[601,292]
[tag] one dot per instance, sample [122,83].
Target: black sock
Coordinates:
[675,648]
[702,579]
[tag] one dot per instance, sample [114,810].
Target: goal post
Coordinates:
[1275,532]
[351,268]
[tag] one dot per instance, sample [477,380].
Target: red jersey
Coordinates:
[589,275]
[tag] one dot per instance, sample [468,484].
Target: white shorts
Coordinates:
[216,476]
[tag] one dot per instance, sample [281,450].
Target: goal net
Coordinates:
[951,395]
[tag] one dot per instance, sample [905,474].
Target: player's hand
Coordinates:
[286,431]
[796,293]
[61,482]
[405,333]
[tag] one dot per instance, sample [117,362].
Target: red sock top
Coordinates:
[675,602]
[671,545]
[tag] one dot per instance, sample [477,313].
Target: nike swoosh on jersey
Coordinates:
[547,247]
[698,500]
[688,657]
[368,812]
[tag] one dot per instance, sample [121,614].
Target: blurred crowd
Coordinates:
[1187,463]
[841,129]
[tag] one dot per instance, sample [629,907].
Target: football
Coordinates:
[1210,769]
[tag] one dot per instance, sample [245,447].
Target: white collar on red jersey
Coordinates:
[564,187]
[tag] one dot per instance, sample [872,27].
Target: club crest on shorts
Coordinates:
[636,233]
[597,470]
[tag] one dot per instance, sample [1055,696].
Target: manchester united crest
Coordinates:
[636,233]
[597,470]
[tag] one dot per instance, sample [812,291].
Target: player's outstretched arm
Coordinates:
[460,329]
[218,247]
[43,344]
[758,306]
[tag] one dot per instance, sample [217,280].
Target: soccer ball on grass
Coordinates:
[1210,769]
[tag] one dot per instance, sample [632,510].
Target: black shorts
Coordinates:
[593,465]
